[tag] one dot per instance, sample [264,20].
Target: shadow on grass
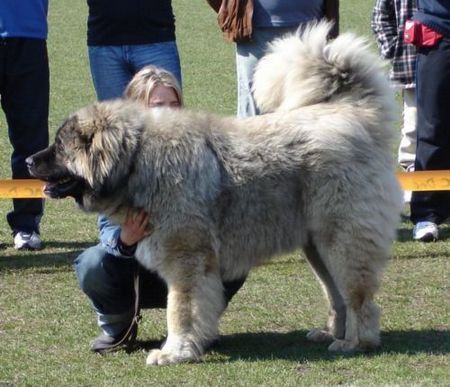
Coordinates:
[294,346]
[404,235]
[14,260]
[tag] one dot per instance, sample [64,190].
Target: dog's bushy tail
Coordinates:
[306,68]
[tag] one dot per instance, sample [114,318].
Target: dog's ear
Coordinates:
[108,131]
[70,146]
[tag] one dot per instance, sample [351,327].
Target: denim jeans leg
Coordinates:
[164,55]
[108,282]
[247,56]
[109,70]
[246,59]
[112,67]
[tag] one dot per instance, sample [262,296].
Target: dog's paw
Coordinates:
[319,335]
[176,349]
[344,346]
[158,357]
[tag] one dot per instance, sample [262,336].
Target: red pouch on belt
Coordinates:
[420,35]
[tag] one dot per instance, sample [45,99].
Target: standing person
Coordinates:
[432,20]
[107,272]
[388,24]
[24,94]
[125,36]
[252,24]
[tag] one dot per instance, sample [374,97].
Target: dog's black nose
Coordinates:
[29,161]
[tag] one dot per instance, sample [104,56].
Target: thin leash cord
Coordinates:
[136,315]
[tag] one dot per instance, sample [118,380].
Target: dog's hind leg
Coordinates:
[337,309]
[355,265]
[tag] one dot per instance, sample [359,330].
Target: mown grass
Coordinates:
[46,323]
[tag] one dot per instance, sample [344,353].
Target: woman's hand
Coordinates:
[135,228]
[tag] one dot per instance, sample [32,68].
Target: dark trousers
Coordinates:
[24,92]
[433,129]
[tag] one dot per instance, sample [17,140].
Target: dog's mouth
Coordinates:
[64,187]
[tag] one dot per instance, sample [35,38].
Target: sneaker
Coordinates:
[410,168]
[425,232]
[105,343]
[27,241]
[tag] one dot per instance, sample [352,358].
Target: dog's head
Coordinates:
[92,153]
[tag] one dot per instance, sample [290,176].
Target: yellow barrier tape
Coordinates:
[409,181]
[425,180]
[21,189]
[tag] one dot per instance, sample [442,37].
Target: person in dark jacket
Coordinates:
[431,208]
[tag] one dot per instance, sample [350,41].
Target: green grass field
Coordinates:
[46,323]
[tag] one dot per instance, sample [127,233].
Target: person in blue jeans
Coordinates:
[125,36]
[431,208]
[271,19]
[24,96]
[107,272]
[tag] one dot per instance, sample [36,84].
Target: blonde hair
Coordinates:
[144,82]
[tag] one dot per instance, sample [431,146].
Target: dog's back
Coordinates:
[320,159]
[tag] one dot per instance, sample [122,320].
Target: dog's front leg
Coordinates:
[195,303]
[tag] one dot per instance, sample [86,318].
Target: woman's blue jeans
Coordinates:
[108,281]
[112,67]
[247,56]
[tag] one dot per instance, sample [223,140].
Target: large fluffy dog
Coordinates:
[226,194]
